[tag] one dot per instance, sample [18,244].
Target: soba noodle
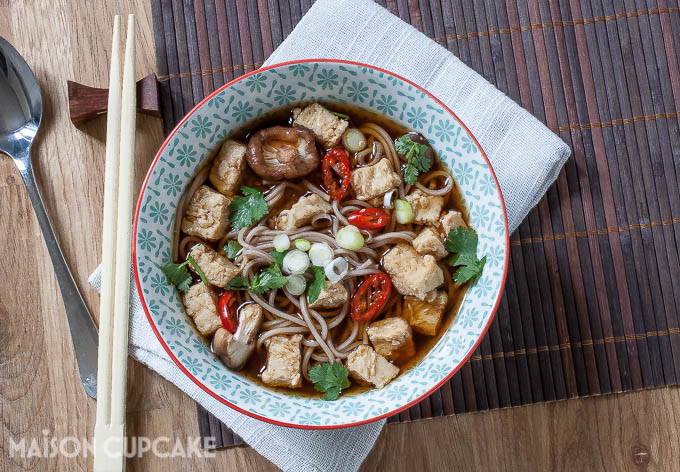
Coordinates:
[328,335]
[437,174]
[316,326]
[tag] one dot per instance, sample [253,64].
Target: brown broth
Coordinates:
[358,117]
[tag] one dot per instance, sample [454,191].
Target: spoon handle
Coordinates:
[82,327]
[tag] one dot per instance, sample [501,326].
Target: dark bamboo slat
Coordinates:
[648,146]
[592,299]
[162,64]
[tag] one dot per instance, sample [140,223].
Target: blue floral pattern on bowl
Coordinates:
[258,94]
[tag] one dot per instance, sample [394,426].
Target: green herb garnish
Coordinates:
[278,256]
[246,210]
[198,270]
[317,284]
[330,379]
[232,249]
[416,160]
[340,115]
[268,279]
[177,275]
[265,280]
[238,283]
[462,243]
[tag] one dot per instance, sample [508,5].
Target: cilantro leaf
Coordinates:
[403,144]
[198,270]
[419,160]
[416,158]
[462,244]
[238,283]
[232,249]
[332,393]
[329,379]
[462,240]
[246,210]
[470,271]
[177,275]
[278,256]
[268,279]
[317,284]
[410,174]
[462,259]
[341,374]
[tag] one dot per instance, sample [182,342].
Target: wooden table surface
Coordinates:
[40,388]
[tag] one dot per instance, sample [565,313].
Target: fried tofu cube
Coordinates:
[228,167]
[217,269]
[302,212]
[327,127]
[201,305]
[331,296]
[368,367]
[207,214]
[392,338]
[452,219]
[425,316]
[429,242]
[283,361]
[426,208]
[411,273]
[372,181]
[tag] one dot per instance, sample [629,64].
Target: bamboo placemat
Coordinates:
[593,290]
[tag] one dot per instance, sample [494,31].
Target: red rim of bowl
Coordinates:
[264,418]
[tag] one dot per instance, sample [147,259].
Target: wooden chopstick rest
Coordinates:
[85,102]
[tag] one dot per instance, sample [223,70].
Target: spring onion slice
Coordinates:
[281,242]
[320,254]
[295,262]
[336,269]
[403,212]
[340,115]
[387,199]
[354,140]
[296,285]
[349,238]
[302,244]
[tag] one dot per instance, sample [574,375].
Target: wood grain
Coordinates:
[39,385]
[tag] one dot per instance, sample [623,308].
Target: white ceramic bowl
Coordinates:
[259,93]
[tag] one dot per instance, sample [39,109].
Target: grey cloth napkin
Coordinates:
[525,155]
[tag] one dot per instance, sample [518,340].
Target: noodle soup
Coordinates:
[321,250]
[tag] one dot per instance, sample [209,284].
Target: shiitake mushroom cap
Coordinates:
[282,152]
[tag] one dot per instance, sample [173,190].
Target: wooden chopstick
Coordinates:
[109,232]
[102,426]
[109,453]
[128,115]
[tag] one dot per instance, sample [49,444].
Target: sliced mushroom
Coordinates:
[281,152]
[235,349]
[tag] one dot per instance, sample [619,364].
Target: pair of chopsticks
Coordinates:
[109,439]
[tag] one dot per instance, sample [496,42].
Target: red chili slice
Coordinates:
[369,218]
[335,173]
[227,308]
[371,296]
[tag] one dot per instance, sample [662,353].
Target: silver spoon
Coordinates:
[20,115]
